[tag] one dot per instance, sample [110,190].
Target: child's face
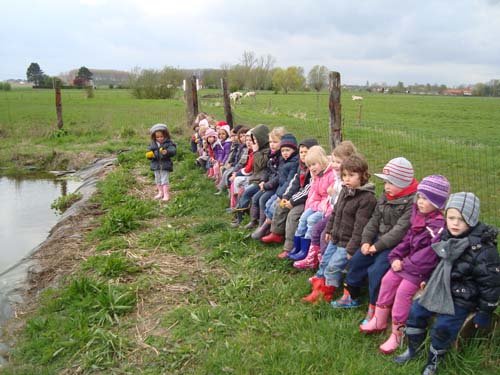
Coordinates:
[159,137]
[234,137]
[255,145]
[391,189]
[302,153]
[315,168]
[424,205]
[455,222]
[248,141]
[274,144]
[211,139]
[222,135]
[286,152]
[351,179]
[336,161]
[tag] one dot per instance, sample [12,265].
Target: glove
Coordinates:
[481,319]
[150,155]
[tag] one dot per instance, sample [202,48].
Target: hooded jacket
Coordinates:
[261,135]
[352,211]
[318,199]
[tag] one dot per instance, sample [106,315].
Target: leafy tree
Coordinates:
[318,77]
[34,74]
[83,77]
[154,84]
[290,79]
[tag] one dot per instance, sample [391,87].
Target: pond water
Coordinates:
[25,214]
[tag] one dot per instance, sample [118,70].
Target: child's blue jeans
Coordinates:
[307,220]
[336,264]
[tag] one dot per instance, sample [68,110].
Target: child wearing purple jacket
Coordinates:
[412,261]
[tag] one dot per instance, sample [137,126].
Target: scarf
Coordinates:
[412,188]
[437,294]
[302,173]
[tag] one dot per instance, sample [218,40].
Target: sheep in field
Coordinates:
[354,97]
[236,97]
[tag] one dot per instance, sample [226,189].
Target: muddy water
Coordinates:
[25,214]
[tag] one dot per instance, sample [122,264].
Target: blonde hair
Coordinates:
[344,150]
[277,133]
[316,154]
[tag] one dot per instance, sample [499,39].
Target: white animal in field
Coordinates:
[236,97]
[354,97]
[250,94]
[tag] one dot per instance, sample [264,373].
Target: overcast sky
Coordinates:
[427,41]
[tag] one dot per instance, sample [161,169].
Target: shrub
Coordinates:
[61,204]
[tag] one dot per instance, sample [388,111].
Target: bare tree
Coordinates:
[318,77]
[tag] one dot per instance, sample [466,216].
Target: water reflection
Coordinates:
[25,214]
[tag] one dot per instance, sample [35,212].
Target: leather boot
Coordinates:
[317,292]
[435,357]
[394,340]
[166,193]
[260,231]
[311,260]
[416,337]
[304,249]
[378,323]
[160,192]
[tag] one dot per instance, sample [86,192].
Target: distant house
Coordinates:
[457,92]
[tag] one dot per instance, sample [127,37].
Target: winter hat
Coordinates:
[398,171]
[226,128]
[211,133]
[436,189]
[288,140]
[157,127]
[221,123]
[309,142]
[203,122]
[467,204]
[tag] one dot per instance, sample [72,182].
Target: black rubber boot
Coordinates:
[416,337]
[435,357]
[254,218]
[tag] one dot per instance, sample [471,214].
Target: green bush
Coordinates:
[61,204]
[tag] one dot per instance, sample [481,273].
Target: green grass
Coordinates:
[242,312]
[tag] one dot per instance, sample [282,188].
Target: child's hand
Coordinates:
[329,191]
[372,250]
[261,185]
[397,265]
[422,285]
[364,248]
[328,237]
[163,151]
[288,205]
[349,256]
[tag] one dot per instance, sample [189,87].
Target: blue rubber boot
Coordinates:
[304,249]
[296,246]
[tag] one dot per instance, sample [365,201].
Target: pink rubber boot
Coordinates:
[379,321]
[310,261]
[394,340]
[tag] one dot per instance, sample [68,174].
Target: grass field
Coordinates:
[171,289]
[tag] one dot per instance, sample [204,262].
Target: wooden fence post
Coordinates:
[335,110]
[227,103]
[191,95]
[359,114]
[57,87]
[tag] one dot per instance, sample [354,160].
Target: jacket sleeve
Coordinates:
[363,215]
[487,276]
[401,250]
[171,149]
[396,233]
[371,229]
[300,197]
[289,176]
[292,188]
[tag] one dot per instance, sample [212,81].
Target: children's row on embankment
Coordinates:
[323,209]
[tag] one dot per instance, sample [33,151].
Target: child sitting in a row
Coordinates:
[317,203]
[287,166]
[287,213]
[466,280]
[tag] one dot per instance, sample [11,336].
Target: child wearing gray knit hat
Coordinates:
[467,204]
